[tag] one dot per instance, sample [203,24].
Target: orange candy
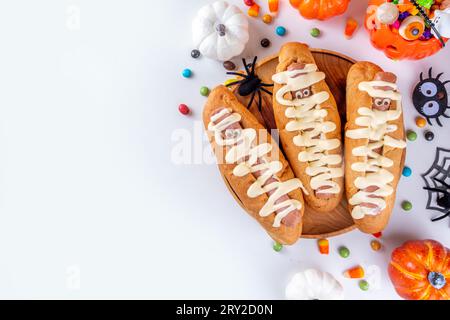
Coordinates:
[324,246]
[267,19]
[253,11]
[421,122]
[375,245]
[355,273]
[273,6]
[350,27]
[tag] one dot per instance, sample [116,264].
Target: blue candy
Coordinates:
[187,73]
[281,31]
[407,171]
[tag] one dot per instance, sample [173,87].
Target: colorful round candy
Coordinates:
[375,245]
[195,53]
[344,252]
[429,136]
[406,205]
[265,43]
[315,32]
[407,172]
[281,31]
[229,65]
[204,91]
[187,73]
[184,109]
[267,19]
[411,135]
[277,247]
[363,285]
[421,122]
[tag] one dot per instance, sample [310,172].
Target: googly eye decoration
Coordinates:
[430,98]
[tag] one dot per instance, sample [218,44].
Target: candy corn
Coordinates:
[273,6]
[350,27]
[355,273]
[377,235]
[324,246]
[253,11]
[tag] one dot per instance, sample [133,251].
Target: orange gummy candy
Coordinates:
[324,246]
[355,273]
[273,6]
[350,27]
[253,11]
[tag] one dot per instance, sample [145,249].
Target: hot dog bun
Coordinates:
[218,114]
[361,78]
[296,57]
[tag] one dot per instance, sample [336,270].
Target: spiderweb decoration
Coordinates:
[437,181]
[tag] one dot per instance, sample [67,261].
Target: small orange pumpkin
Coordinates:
[420,270]
[390,41]
[320,9]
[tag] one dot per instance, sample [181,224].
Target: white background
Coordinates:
[91,204]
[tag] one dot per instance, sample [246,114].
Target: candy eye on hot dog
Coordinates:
[374,145]
[253,166]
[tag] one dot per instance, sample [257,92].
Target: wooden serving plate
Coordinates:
[336,66]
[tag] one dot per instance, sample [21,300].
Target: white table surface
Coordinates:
[91,203]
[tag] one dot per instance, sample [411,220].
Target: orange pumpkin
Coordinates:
[420,270]
[390,41]
[320,9]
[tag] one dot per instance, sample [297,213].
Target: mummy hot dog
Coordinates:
[307,117]
[374,145]
[254,167]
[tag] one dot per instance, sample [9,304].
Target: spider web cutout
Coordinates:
[440,169]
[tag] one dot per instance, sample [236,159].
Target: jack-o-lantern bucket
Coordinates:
[320,9]
[400,31]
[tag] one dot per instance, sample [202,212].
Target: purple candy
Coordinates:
[427,35]
[404,15]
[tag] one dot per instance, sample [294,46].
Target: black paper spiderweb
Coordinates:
[435,178]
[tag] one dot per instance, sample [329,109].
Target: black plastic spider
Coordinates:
[250,84]
[430,97]
[443,201]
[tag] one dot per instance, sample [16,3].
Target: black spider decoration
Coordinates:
[436,185]
[250,84]
[430,97]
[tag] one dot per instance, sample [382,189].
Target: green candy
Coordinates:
[364,285]
[411,135]
[406,205]
[204,91]
[315,32]
[277,247]
[344,252]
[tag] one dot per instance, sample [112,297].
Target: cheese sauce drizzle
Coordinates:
[375,128]
[244,151]
[308,119]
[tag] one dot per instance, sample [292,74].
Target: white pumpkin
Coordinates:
[220,31]
[314,285]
